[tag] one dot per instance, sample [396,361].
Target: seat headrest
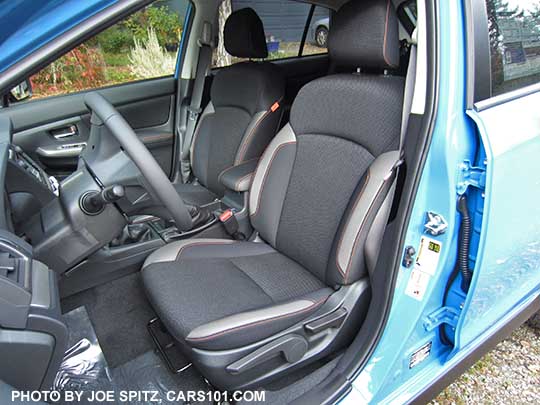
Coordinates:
[365,34]
[244,35]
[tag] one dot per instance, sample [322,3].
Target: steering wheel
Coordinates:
[143,159]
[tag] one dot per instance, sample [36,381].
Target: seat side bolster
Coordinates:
[245,328]
[270,183]
[349,256]
[172,251]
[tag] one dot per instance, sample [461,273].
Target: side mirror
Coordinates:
[23,91]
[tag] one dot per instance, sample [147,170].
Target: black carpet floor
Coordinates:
[119,312]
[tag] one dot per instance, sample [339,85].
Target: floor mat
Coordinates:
[142,380]
[148,373]
[119,312]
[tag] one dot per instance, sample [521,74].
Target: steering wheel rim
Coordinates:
[141,156]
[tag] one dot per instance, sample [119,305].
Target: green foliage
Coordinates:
[129,50]
[115,39]
[165,23]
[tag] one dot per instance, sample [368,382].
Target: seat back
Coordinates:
[241,119]
[324,177]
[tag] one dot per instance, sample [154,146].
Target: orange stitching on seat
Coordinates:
[246,140]
[266,173]
[355,245]
[237,184]
[315,304]
[385,32]
[235,166]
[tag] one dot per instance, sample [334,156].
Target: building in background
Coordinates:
[521,44]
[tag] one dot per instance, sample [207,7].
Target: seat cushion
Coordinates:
[219,294]
[194,194]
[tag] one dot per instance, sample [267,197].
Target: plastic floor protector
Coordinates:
[84,367]
[143,380]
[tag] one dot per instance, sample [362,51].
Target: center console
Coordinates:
[33,337]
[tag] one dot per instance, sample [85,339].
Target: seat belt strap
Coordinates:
[194,109]
[408,94]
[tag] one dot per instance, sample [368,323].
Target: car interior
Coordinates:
[227,246]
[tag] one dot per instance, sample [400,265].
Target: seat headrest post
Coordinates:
[365,34]
[244,35]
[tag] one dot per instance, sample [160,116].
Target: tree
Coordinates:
[495,10]
[221,56]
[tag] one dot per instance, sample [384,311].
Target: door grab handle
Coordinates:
[63,151]
[66,132]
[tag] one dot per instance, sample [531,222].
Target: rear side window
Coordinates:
[284,23]
[514,37]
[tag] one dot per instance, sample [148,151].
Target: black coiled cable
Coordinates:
[462,265]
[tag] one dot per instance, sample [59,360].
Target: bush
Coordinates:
[165,23]
[80,69]
[114,39]
[148,59]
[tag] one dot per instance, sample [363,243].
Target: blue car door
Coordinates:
[507,263]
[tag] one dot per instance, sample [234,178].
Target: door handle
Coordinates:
[65,132]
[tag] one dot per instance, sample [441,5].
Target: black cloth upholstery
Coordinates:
[369,120]
[239,122]
[365,34]
[325,174]
[312,199]
[238,178]
[216,282]
[250,86]
[242,123]
[244,35]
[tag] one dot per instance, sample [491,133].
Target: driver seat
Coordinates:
[245,312]
[243,114]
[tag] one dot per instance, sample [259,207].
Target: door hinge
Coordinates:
[443,315]
[469,175]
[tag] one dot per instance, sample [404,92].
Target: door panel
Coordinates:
[507,270]
[52,130]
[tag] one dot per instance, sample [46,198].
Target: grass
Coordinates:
[116,59]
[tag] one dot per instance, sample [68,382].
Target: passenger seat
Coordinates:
[243,114]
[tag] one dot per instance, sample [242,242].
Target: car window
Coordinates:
[319,28]
[514,36]
[142,46]
[284,24]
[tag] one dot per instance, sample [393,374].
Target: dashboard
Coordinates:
[27,185]
[23,163]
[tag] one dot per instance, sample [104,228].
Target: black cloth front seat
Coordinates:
[320,187]
[241,117]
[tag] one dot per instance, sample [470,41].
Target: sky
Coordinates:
[523,4]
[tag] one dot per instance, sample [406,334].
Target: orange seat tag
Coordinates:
[274,107]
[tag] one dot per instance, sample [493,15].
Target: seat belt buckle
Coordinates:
[230,223]
[193,113]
